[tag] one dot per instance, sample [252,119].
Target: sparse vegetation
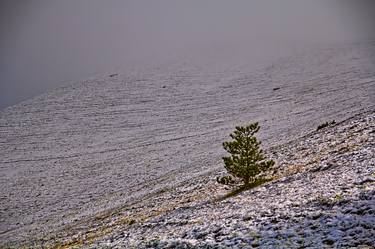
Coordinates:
[226,180]
[240,189]
[247,160]
[329,201]
[326,124]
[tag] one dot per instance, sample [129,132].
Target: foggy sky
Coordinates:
[45,44]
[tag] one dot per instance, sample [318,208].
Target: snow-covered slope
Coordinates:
[101,143]
[322,196]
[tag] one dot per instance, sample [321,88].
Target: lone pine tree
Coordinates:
[247,160]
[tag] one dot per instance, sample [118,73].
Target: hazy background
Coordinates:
[45,44]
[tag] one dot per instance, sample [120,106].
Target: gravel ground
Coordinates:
[73,156]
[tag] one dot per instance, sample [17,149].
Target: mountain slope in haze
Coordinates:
[98,144]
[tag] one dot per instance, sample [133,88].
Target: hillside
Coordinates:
[322,195]
[74,157]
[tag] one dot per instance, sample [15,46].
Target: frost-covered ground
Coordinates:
[104,143]
[322,196]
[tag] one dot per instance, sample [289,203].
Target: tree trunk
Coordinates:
[246,181]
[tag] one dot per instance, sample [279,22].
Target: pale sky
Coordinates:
[45,44]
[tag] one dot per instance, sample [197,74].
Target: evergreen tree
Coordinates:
[247,160]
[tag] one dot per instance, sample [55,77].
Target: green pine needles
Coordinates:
[246,161]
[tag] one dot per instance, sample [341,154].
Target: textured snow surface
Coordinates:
[100,143]
[322,196]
